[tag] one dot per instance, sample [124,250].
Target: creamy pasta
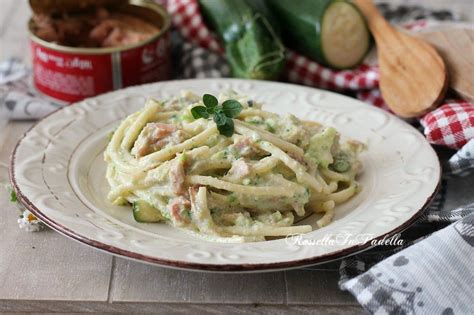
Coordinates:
[249,186]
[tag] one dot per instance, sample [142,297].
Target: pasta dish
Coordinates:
[224,169]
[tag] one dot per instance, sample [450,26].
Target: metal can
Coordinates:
[71,74]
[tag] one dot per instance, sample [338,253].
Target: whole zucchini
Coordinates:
[331,32]
[252,46]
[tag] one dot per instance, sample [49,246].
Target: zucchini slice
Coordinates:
[144,212]
[331,32]
[345,38]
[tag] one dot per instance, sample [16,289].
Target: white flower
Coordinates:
[29,222]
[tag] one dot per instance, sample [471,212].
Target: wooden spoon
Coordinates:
[456,47]
[413,77]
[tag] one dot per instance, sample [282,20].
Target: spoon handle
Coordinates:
[378,26]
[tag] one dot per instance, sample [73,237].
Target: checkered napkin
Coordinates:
[18,98]
[430,273]
[451,125]
[431,276]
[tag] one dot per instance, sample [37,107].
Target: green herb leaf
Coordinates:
[213,110]
[220,119]
[222,115]
[209,100]
[232,108]
[199,112]
[226,129]
[13,197]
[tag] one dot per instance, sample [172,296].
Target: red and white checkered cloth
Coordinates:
[451,125]
[187,18]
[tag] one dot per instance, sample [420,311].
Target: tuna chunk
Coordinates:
[178,176]
[239,170]
[245,147]
[154,137]
[178,206]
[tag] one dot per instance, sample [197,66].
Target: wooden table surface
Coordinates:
[47,272]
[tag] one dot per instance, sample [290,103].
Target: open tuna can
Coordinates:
[82,48]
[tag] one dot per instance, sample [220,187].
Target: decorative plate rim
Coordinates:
[195,266]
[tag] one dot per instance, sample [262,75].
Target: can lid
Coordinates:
[62,6]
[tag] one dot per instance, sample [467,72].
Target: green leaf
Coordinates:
[220,119]
[232,108]
[209,100]
[13,197]
[199,112]
[222,115]
[213,110]
[226,129]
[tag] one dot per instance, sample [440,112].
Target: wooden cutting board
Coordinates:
[456,46]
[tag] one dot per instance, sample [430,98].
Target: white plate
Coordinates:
[58,173]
